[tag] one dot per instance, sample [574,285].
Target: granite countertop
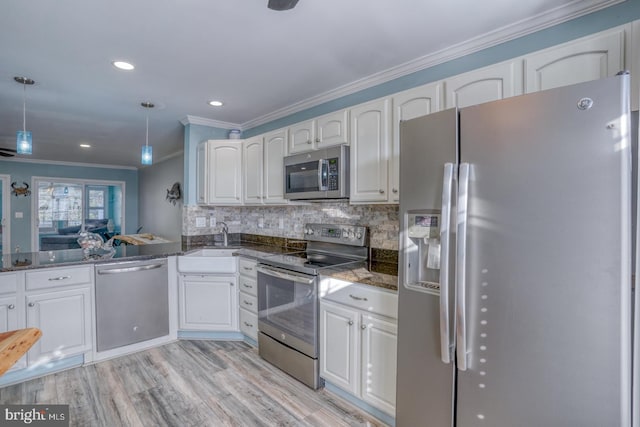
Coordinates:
[359,273]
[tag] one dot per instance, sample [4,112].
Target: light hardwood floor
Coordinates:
[187,383]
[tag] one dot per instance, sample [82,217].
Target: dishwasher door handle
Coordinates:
[130,269]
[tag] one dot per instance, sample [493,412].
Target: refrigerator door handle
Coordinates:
[461,246]
[445,344]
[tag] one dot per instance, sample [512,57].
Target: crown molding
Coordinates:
[195,120]
[63,163]
[510,32]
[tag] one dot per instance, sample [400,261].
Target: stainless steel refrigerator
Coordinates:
[515,262]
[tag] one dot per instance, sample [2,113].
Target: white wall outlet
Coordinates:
[260,222]
[19,215]
[201,221]
[281,223]
[212,220]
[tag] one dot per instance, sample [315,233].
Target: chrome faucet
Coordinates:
[225,232]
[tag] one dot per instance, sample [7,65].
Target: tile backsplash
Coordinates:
[288,221]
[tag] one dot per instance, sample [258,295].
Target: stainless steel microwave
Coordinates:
[321,174]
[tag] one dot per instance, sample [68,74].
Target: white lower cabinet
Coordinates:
[64,317]
[358,346]
[208,302]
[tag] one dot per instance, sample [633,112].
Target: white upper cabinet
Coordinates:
[486,84]
[585,59]
[201,173]
[302,136]
[332,129]
[408,105]
[324,131]
[252,157]
[370,151]
[263,170]
[224,173]
[275,148]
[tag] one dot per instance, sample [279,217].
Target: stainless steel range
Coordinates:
[288,296]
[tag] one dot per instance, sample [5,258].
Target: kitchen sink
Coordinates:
[209,261]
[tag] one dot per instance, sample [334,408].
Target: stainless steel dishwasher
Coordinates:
[132,302]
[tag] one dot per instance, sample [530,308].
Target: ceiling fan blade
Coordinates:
[10,150]
[6,154]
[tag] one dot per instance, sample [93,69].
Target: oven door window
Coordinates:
[289,306]
[303,177]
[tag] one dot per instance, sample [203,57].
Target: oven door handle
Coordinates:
[285,274]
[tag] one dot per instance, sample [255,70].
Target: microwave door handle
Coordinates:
[323,173]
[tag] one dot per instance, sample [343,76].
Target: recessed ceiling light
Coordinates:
[215,103]
[123,65]
[85,145]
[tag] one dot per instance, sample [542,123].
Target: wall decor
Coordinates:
[20,191]
[174,194]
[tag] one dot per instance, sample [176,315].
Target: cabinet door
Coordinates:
[225,173]
[9,322]
[64,317]
[587,59]
[208,303]
[252,158]
[378,379]
[486,84]
[408,105]
[370,145]
[275,148]
[332,129]
[338,346]
[201,174]
[302,136]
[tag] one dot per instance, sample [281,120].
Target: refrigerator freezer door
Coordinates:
[548,259]
[424,383]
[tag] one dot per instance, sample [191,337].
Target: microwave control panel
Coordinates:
[333,168]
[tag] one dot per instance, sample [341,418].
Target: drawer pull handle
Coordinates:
[247,302]
[51,279]
[249,325]
[247,286]
[248,268]
[357,298]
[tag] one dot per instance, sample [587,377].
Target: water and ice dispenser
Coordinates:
[422,250]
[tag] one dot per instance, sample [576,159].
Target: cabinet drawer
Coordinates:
[248,285]
[248,268]
[249,323]
[363,297]
[248,302]
[8,283]
[42,279]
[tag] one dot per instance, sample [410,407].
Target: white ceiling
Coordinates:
[187,52]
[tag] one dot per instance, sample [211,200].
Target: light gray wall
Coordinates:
[157,215]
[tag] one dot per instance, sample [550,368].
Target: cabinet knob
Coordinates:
[31,304]
[309,142]
[11,306]
[249,325]
[363,326]
[231,283]
[350,322]
[381,191]
[317,139]
[395,190]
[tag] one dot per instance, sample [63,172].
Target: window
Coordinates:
[66,206]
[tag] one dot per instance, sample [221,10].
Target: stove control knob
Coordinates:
[310,231]
[358,235]
[351,234]
[345,233]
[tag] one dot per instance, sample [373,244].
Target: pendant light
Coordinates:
[147,151]
[24,143]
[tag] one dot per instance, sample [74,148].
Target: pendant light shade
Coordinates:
[147,150]
[24,140]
